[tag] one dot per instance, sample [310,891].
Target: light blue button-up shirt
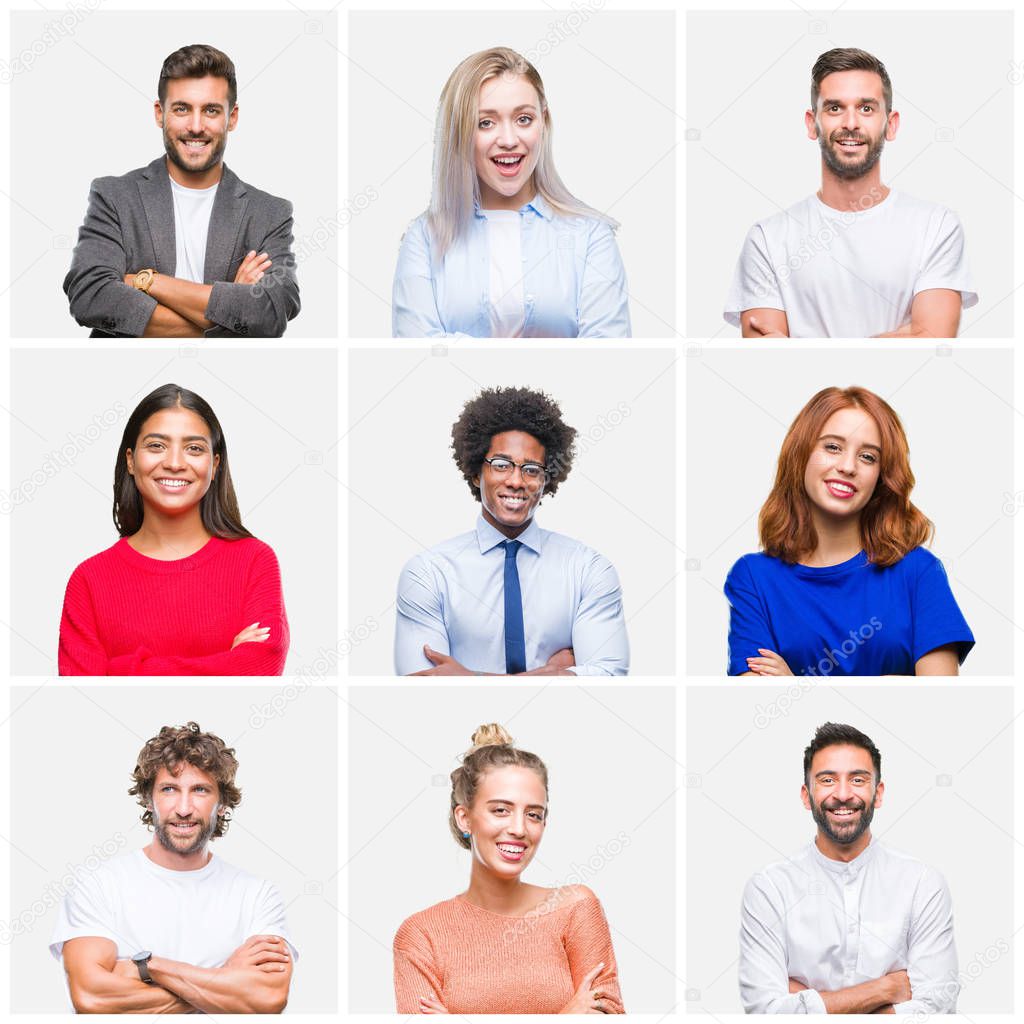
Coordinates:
[452,597]
[574,284]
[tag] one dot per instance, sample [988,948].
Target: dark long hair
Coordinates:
[218,507]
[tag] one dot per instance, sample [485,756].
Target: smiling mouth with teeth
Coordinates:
[508,161]
[172,482]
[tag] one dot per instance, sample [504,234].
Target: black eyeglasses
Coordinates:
[532,472]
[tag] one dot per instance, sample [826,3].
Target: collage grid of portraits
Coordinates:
[669,788]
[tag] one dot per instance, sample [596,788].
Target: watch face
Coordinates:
[144,955]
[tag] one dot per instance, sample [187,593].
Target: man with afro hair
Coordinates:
[508,598]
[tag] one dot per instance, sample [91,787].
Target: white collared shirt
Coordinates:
[452,597]
[830,925]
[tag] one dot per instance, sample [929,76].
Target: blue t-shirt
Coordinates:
[850,619]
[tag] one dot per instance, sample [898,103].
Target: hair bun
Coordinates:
[491,735]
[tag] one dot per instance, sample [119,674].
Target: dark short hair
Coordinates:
[197,61]
[832,734]
[848,58]
[218,506]
[173,748]
[497,410]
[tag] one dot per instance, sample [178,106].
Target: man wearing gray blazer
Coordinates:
[183,248]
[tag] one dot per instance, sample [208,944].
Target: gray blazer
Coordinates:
[130,225]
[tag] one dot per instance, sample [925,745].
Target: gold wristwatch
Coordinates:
[143,279]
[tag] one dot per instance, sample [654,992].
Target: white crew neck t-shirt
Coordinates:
[198,917]
[508,314]
[845,274]
[192,209]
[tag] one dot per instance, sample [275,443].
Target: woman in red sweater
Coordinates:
[187,590]
[505,946]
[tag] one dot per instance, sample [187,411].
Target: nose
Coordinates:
[849,119]
[195,122]
[183,805]
[507,135]
[846,463]
[517,825]
[843,790]
[174,457]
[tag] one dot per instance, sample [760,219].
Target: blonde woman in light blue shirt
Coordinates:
[505,249]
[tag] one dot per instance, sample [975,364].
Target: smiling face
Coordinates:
[841,792]
[173,462]
[506,820]
[844,464]
[184,809]
[509,499]
[851,123]
[196,120]
[509,132]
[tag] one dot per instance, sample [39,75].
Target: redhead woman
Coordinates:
[843,585]
[187,590]
[505,946]
[505,250]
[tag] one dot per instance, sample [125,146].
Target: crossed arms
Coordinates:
[934,313]
[254,979]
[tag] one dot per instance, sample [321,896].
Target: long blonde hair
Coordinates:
[456,188]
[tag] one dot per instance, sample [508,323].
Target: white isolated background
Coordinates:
[406,494]
[609,77]
[956,406]
[84,110]
[278,411]
[753,158]
[610,756]
[947,764]
[69,795]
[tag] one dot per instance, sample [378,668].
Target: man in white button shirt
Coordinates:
[171,928]
[846,925]
[857,259]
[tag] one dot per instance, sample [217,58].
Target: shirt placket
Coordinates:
[852,883]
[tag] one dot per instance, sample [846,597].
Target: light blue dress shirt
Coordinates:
[452,598]
[574,284]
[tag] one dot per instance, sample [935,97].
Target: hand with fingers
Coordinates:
[253,267]
[768,664]
[764,330]
[589,998]
[429,1005]
[251,635]
[444,665]
[265,952]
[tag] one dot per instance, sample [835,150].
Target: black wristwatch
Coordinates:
[141,960]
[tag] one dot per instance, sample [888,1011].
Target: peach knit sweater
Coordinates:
[474,961]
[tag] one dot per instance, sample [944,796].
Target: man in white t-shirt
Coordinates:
[857,259]
[182,248]
[171,928]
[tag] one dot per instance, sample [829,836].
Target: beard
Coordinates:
[843,835]
[203,834]
[843,169]
[214,156]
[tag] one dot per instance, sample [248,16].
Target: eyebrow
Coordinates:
[528,462]
[167,437]
[860,102]
[522,106]
[839,437]
[511,803]
[856,771]
[186,103]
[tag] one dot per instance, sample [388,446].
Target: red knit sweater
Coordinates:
[126,614]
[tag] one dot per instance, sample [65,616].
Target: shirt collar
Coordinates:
[852,867]
[488,537]
[538,204]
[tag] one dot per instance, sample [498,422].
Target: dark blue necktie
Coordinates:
[515,641]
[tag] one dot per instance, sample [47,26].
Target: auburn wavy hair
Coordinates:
[890,524]
[174,747]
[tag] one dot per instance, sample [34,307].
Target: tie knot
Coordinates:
[511,547]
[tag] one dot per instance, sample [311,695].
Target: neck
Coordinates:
[170,537]
[195,179]
[509,531]
[491,200]
[500,895]
[176,861]
[852,194]
[842,852]
[838,539]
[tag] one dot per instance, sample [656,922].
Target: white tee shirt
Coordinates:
[506,248]
[192,209]
[198,917]
[846,274]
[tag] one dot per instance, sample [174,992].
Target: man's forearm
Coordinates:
[222,989]
[110,992]
[184,297]
[866,997]
[166,323]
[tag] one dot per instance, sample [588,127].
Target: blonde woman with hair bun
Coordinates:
[505,946]
[505,250]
